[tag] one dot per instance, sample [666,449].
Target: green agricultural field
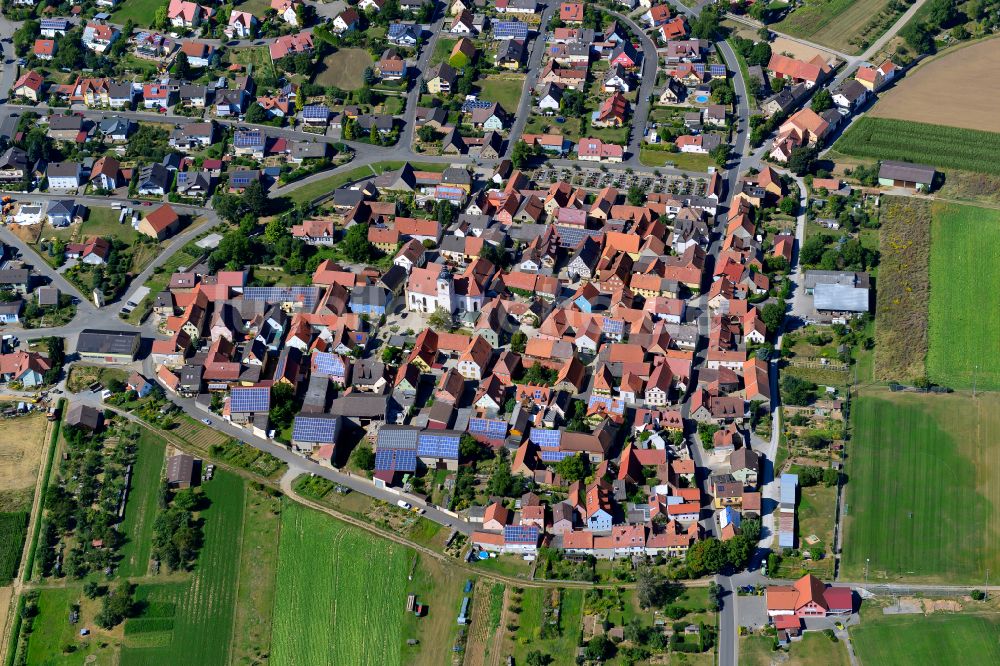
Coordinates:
[923,493]
[937,145]
[964,339]
[140,509]
[191,622]
[939,639]
[340,594]
[13,529]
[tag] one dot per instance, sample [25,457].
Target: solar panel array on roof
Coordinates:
[314,111]
[555,456]
[326,363]
[308,296]
[610,404]
[544,438]
[436,445]
[244,138]
[489,428]
[520,534]
[246,399]
[512,29]
[314,429]
[717,70]
[397,460]
[471,104]
[613,326]
[572,236]
[398,438]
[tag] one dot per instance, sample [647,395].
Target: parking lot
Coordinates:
[595,178]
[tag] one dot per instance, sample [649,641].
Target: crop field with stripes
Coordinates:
[340,596]
[923,490]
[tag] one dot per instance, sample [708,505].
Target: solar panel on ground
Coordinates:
[249,399]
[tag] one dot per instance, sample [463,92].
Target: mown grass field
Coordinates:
[192,622]
[937,639]
[340,594]
[686,161]
[52,632]
[937,145]
[839,24]
[142,12]
[965,257]
[140,509]
[923,495]
[903,289]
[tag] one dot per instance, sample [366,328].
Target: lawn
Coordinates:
[258,567]
[104,222]
[686,161]
[923,487]
[505,89]
[814,648]
[344,69]
[939,639]
[142,12]
[964,338]
[52,632]
[192,622]
[845,25]
[903,289]
[442,50]
[318,188]
[341,593]
[185,257]
[141,507]
[937,145]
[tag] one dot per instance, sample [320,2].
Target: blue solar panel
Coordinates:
[398,438]
[544,438]
[717,70]
[434,445]
[699,67]
[308,296]
[613,326]
[325,363]
[610,404]
[315,111]
[489,428]
[555,456]
[315,429]
[245,138]
[514,29]
[520,534]
[249,399]
[395,460]
[475,104]
[572,236]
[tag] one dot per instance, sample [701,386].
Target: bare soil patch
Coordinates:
[959,89]
[798,50]
[22,440]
